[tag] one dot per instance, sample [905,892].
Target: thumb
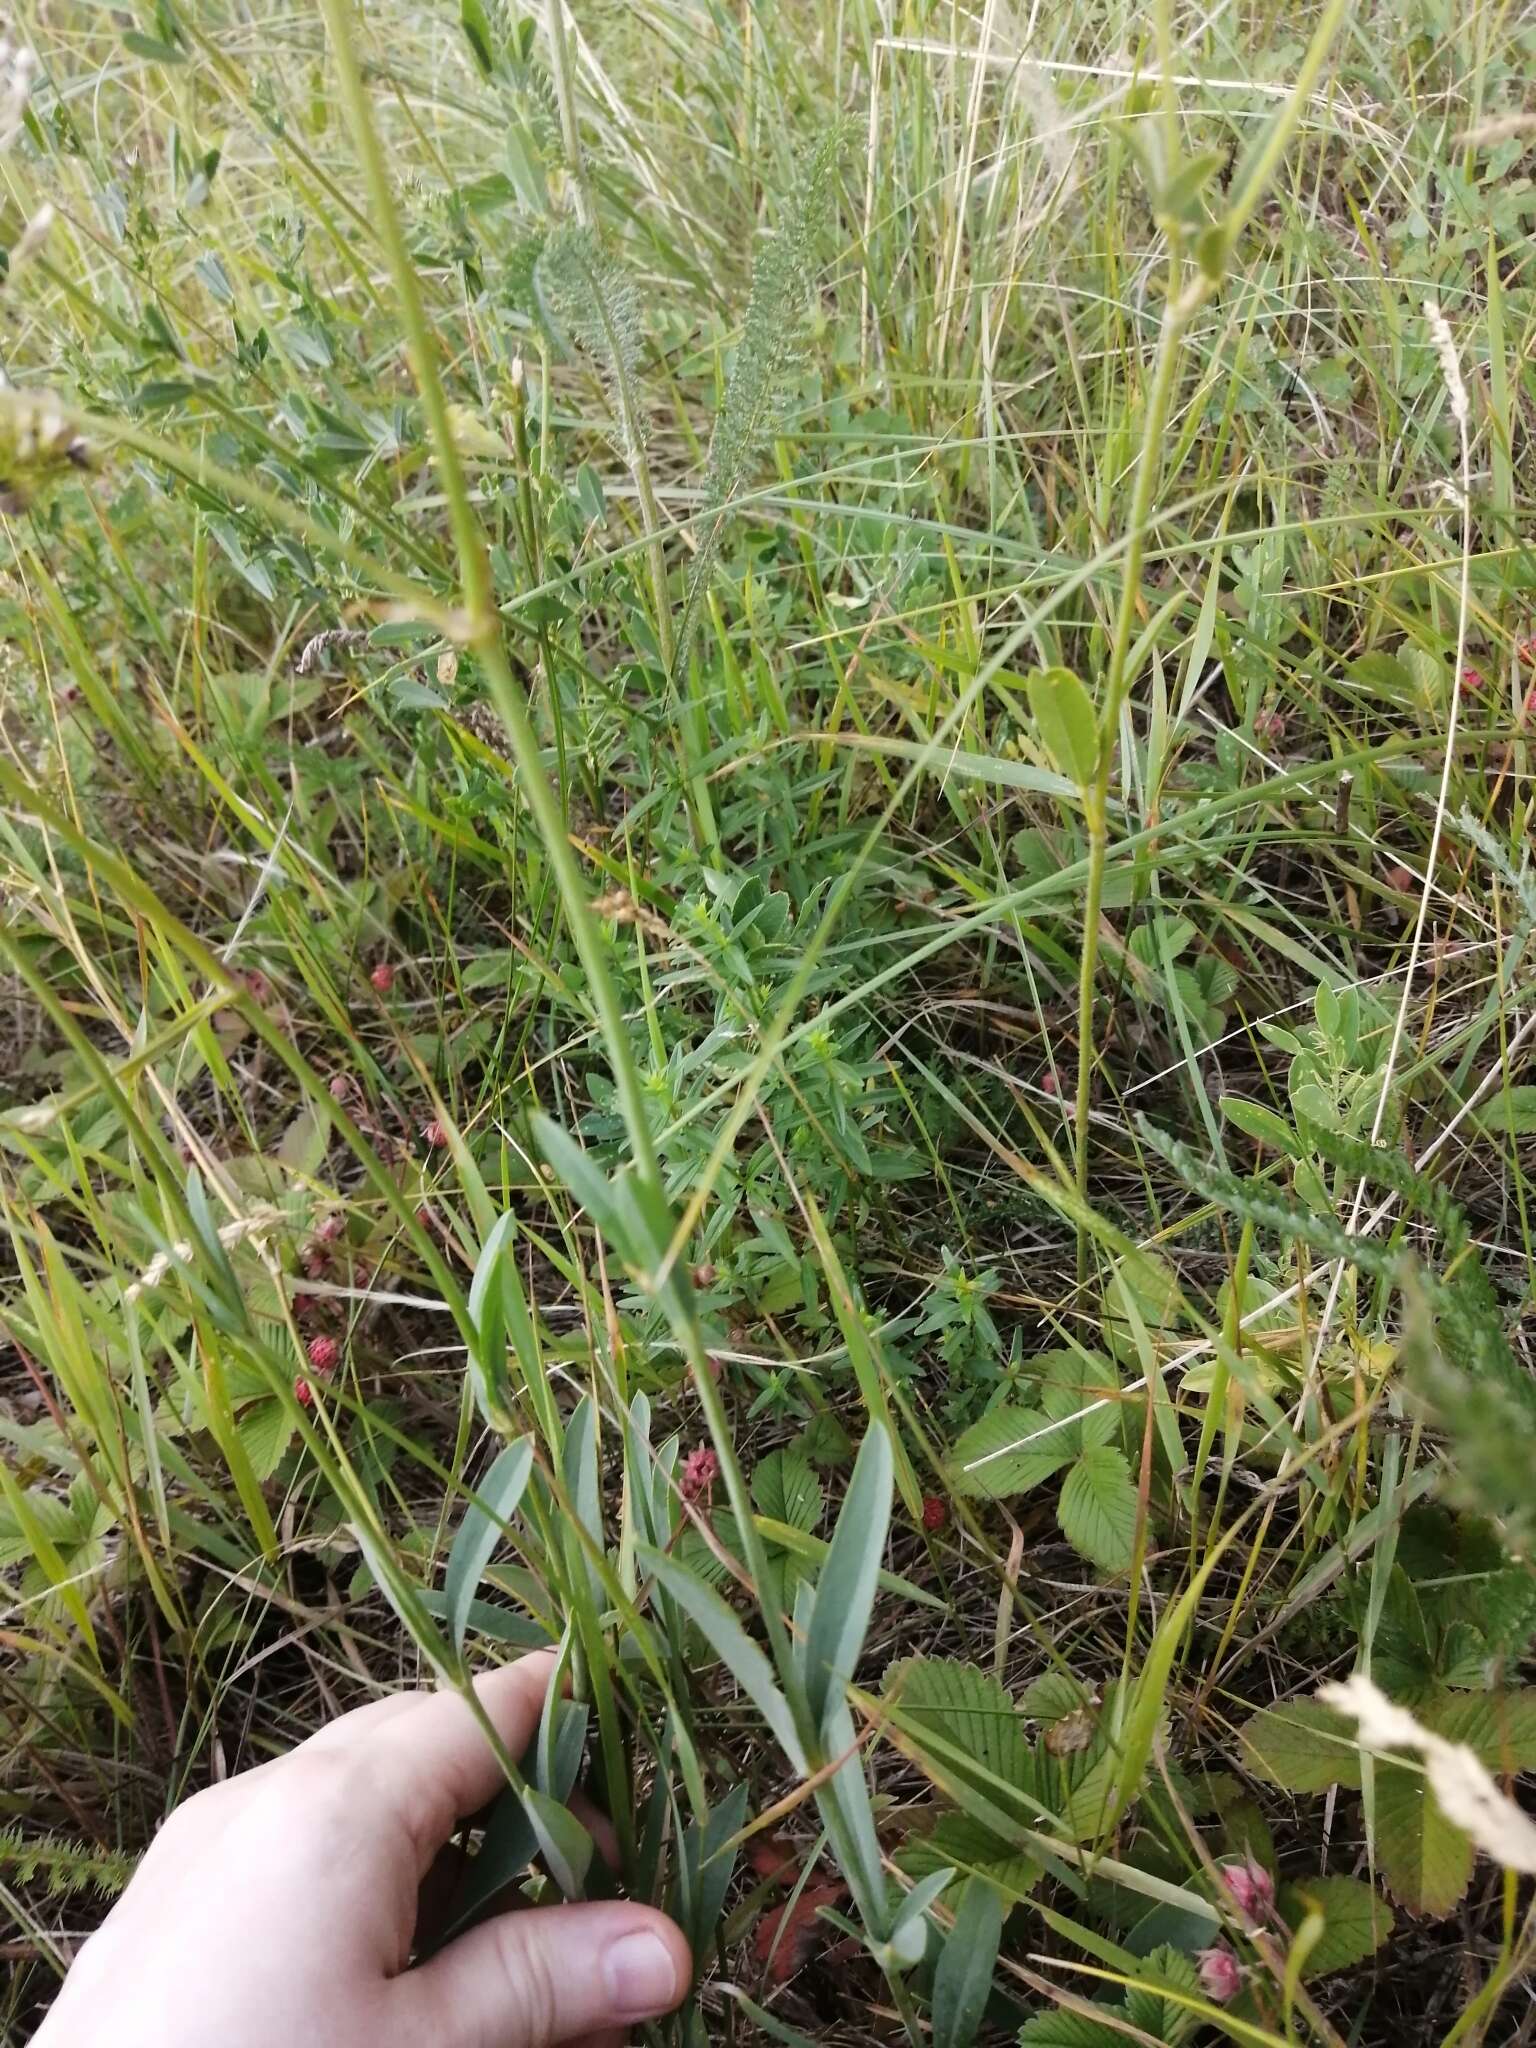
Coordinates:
[529,1979]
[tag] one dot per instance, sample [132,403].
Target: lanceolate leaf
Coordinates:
[845,1590]
[497,1497]
[731,1644]
[963,1980]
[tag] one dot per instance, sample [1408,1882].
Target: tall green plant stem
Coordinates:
[1182,303]
[565,99]
[480,631]
[631,422]
[1177,313]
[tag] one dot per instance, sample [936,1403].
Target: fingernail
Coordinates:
[642,1977]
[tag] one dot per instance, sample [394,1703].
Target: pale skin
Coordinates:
[277,1910]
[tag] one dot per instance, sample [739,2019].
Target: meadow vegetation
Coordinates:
[765,787]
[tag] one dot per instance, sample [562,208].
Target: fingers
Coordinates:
[555,1974]
[430,1759]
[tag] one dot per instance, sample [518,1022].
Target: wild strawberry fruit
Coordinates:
[383,977]
[935,1512]
[1472,681]
[322,1353]
[303,1392]
[1400,878]
[433,1133]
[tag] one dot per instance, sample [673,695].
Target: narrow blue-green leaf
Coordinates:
[731,1644]
[845,1590]
[962,1982]
[586,1184]
[564,1843]
[917,1901]
[495,1502]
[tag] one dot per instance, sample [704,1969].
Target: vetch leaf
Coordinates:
[845,1589]
[1063,711]
[477,33]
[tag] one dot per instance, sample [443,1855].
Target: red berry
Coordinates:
[1400,878]
[257,983]
[1472,680]
[329,1228]
[701,1468]
[1049,1084]
[341,1087]
[1268,725]
[303,1392]
[383,977]
[935,1512]
[323,1353]
[434,1133]
[1530,703]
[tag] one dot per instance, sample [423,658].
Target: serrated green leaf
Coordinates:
[1052,1696]
[962,1983]
[957,1842]
[1063,2029]
[1500,1728]
[1069,731]
[1355,1921]
[845,1586]
[1148,2007]
[1424,1859]
[497,1497]
[1081,1389]
[1511,1113]
[265,1430]
[786,1489]
[1098,1508]
[1009,1451]
[964,1708]
[1301,1747]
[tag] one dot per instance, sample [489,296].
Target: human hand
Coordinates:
[277,1910]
